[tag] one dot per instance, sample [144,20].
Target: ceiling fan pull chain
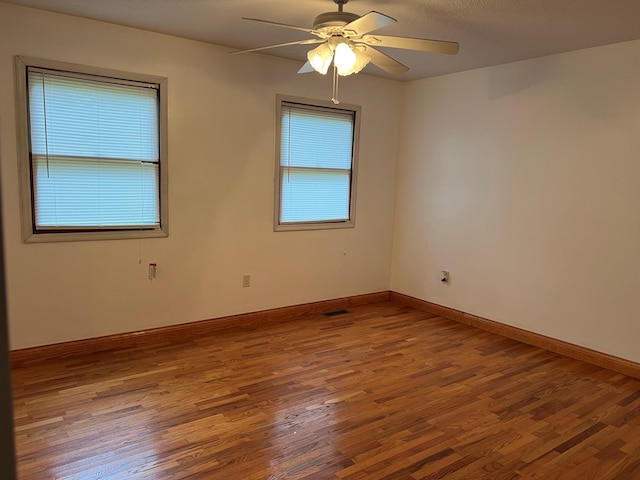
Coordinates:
[334,98]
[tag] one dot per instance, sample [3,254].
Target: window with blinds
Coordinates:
[317,146]
[95,154]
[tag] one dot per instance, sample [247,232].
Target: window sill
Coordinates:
[292,227]
[97,235]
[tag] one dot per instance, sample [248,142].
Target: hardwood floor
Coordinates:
[382,392]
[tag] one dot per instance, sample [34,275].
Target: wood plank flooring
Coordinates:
[382,392]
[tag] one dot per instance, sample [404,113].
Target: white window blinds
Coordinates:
[94,146]
[316,154]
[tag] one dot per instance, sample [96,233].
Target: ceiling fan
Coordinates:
[346,41]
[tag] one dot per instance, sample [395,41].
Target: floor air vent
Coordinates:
[337,312]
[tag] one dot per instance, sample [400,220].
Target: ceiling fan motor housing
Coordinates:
[327,21]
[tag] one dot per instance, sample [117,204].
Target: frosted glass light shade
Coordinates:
[345,58]
[320,58]
[361,61]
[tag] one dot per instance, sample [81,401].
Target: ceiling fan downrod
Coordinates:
[340,4]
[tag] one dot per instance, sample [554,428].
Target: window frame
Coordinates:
[312,104]
[27,213]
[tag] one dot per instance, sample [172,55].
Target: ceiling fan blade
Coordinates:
[367,23]
[385,62]
[298,42]
[422,44]
[283,25]
[306,68]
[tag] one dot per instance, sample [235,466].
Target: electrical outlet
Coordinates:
[152,271]
[246,281]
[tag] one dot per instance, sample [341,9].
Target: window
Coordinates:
[93,152]
[315,164]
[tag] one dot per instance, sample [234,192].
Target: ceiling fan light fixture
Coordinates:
[320,58]
[345,40]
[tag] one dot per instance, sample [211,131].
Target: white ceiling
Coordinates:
[490,32]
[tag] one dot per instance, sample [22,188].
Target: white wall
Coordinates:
[221,164]
[523,180]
